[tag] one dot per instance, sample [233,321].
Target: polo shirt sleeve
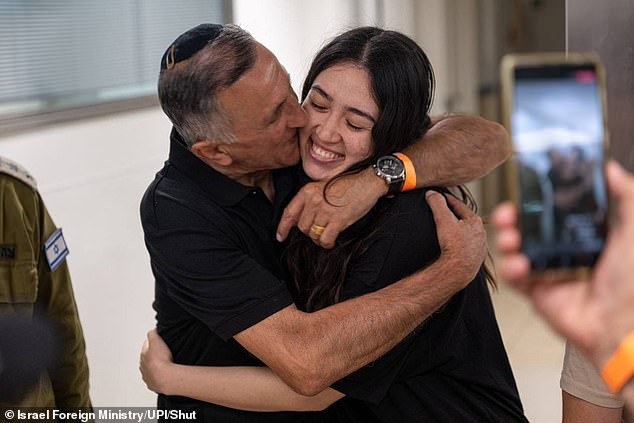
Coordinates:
[407,243]
[198,259]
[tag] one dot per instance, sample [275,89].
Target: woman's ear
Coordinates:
[212,153]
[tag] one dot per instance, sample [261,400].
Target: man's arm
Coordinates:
[455,150]
[577,410]
[585,398]
[310,351]
[239,387]
[458,149]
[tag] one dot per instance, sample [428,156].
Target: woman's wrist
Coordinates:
[163,376]
[376,184]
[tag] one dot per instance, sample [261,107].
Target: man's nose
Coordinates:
[298,117]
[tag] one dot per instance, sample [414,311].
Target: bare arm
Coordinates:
[243,388]
[312,351]
[576,410]
[457,149]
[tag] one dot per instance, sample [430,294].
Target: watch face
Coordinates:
[390,166]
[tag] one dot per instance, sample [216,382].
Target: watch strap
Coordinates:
[394,188]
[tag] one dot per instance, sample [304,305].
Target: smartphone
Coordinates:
[554,106]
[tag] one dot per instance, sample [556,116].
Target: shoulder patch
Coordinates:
[11,168]
[55,249]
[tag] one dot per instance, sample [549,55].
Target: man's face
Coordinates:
[265,117]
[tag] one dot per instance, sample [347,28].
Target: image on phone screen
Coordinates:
[558,132]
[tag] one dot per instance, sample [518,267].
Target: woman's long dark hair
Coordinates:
[402,82]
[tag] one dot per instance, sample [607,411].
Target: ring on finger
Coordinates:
[317,230]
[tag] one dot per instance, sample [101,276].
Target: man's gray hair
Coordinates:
[189,91]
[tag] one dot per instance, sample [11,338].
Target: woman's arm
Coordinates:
[243,388]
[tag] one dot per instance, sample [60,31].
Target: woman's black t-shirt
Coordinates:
[453,367]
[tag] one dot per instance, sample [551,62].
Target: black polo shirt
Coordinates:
[454,367]
[216,264]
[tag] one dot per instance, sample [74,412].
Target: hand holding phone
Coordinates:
[554,108]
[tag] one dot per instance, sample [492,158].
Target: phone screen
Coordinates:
[558,132]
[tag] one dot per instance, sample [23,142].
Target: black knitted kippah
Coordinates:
[189,43]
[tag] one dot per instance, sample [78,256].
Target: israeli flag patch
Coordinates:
[55,249]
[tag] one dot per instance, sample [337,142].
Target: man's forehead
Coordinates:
[268,77]
[264,51]
[259,92]
[269,61]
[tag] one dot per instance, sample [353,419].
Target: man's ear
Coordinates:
[212,152]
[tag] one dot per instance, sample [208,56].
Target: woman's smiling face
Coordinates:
[341,114]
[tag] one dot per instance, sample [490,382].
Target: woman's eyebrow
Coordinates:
[321,91]
[361,113]
[354,110]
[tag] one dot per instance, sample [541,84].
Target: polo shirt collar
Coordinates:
[222,189]
[225,191]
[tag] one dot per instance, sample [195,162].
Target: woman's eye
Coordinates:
[317,106]
[354,127]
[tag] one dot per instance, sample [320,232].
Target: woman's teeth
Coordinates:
[325,154]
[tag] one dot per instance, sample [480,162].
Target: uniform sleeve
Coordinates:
[200,263]
[406,244]
[580,379]
[56,300]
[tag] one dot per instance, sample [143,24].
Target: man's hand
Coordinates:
[461,235]
[559,299]
[349,199]
[595,315]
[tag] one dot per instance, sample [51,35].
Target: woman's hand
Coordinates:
[155,362]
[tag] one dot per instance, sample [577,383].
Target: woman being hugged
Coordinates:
[368,95]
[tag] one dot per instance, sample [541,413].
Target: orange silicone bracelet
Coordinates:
[410,172]
[620,367]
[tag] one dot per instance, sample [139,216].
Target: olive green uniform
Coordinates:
[27,285]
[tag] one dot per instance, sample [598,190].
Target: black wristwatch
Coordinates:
[392,170]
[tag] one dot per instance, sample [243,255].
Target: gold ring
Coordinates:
[317,230]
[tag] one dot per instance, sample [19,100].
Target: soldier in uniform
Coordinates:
[34,280]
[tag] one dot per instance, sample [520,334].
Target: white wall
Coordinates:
[301,28]
[92,174]
[444,29]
